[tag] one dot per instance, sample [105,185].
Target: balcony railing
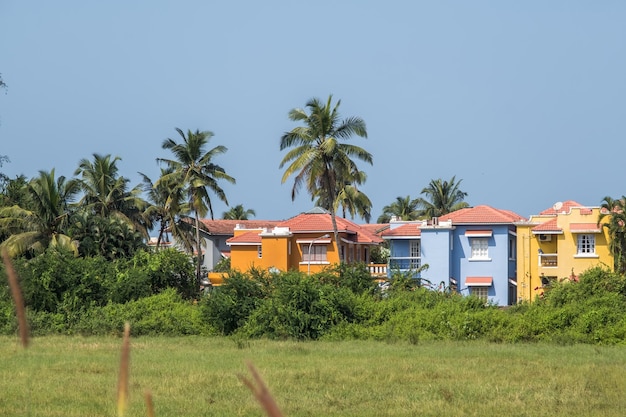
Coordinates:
[404,263]
[548,260]
[377,270]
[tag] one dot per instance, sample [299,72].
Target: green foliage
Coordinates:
[94,296]
[298,307]
[228,306]
[165,313]
[355,277]
[167,268]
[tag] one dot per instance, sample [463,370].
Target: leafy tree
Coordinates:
[442,197]
[109,237]
[404,208]
[319,158]
[614,212]
[13,192]
[194,170]
[44,223]
[106,194]
[238,212]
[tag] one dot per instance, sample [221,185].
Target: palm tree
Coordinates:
[32,229]
[443,197]
[193,169]
[166,205]
[615,211]
[238,213]
[350,198]
[105,193]
[404,208]
[319,159]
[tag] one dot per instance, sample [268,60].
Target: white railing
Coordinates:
[377,270]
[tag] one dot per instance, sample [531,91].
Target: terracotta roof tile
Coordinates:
[549,226]
[482,215]
[406,230]
[562,207]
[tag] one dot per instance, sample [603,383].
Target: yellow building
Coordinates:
[558,244]
[304,243]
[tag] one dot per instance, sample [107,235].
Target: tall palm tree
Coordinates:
[194,170]
[442,197]
[319,158]
[44,222]
[238,212]
[404,208]
[615,212]
[105,193]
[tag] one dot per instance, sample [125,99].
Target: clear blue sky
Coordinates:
[524,101]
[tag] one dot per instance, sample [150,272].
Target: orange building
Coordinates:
[304,243]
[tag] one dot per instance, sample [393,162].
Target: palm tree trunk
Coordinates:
[199,249]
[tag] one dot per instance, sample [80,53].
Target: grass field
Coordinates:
[196,376]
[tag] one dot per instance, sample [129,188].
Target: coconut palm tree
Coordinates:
[442,197]
[613,217]
[238,212]
[44,222]
[404,208]
[167,206]
[319,158]
[106,194]
[196,173]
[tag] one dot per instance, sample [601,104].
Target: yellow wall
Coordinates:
[529,270]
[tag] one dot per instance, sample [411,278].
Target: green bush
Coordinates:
[228,306]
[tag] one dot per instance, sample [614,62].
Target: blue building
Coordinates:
[471,251]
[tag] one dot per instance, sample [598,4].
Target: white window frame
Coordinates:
[480,248]
[585,245]
[481,292]
[415,254]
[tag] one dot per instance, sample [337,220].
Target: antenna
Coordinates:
[557,206]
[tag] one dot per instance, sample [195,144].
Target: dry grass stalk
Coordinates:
[122,382]
[261,392]
[17,298]
[149,406]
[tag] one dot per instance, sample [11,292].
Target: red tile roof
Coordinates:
[584,227]
[562,207]
[321,222]
[313,222]
[482,215]
[406,230]
[549,226]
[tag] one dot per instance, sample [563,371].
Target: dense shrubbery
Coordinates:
[155,293]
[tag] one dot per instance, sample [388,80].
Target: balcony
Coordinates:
[404,263]
[548,260]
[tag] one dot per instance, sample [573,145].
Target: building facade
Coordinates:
[558,244]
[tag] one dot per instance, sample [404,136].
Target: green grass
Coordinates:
[198,376]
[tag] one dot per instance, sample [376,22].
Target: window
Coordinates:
[511,248]
[480,248]
[414,254]
[586,244]
[259,251]
[480,292]
[318,253]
